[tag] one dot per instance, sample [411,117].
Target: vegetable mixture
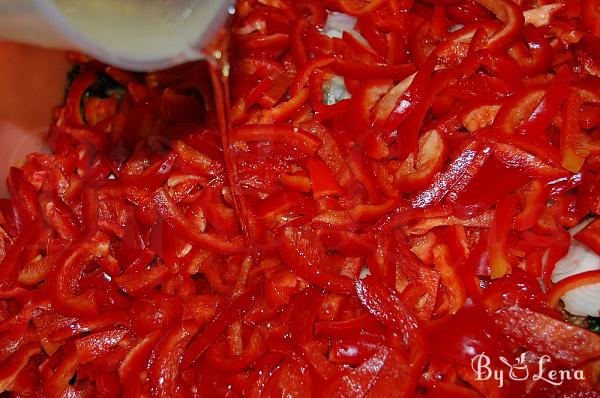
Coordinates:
[361,200]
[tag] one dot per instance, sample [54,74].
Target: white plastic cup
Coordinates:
[137,35]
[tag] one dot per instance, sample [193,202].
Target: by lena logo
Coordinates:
[521,370]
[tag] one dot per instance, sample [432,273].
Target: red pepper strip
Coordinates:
[347,243]
[535,202]
[135,362]
[172,215]
[165,362]
[388,103]
[218,356]
[517,159]
[25,204]
[60,217]
[108,386]
[301,250]
[135,282]
[322,181]
[96,344]
[501,226]
[412,96]
[456,176]
[350,7]
[365,71]
[358,381]
[557,251]
[190,159]
[568,345]
[450,277]
[361,103]
[58,385]
[303,76]
[417,171]
[72,110]
[297,47]
[540,49]
[362,212]
[217,212]
[363,171]
[297,183]
[278,88]
[306,142]
[590,236]
[36,271]
[283,111]
[354,350]
[478,196]
[387,307]
[259,42]
[63,283]
[89,211]
[9,266]
[558,290]
[518,108]
[234,310]
[347,328]
[590,11]
[571,137]
[154,176]
[256,94]
[360,48]
[12,366]
[511,15]
[276,204]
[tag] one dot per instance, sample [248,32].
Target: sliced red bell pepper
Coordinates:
[590,11]
[96,344]
[283,111]
[58,384]
[135,362]
[322,181]
[195,161]
[349,7]
[571,137]
[567,345]
[168,210]
[63,285]
[458,174]
[166,359]
[304,141]
[385,305]
[134,282]
[360,380]
[518,108]
[540,50]
[365,71]
[418,170]
[301,251]
[303,76]
[478,196]
[558,290]
[535,202]
[450,277]
[16,363]
[501,227]
[511,15]
[233,310]
[590,236]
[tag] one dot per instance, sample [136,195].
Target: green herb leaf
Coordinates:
[104,87]
[593,323]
